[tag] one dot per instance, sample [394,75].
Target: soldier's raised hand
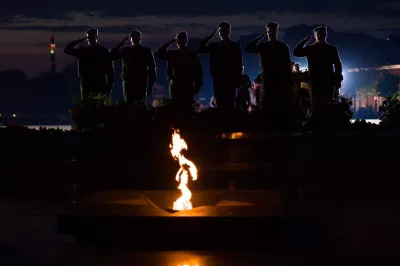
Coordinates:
[212,34]
[126,38]
[308,38]
[173,41]
[262,35]
[167,44]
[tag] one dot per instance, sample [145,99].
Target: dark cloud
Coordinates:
[28,23]
[45,8]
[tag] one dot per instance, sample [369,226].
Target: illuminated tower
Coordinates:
[52,55]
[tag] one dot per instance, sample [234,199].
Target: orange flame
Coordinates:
[186,168]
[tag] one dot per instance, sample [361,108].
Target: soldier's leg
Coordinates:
[320,104]
[86,91]
[104,89]
[239,100]
[224,93]
[276,103]
[93,87]
[218,93]
[134,91]
[84,94]
[182,95]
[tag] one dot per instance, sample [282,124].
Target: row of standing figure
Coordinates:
[185,72]
[248,93]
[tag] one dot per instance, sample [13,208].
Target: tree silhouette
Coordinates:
[388,84]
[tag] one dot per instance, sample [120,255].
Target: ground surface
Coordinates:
[28,237]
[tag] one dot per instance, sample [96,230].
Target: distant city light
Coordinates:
[14,115]
[389,67]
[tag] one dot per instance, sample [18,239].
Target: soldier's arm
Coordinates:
[239,61]
[71,48]
[288,61]
[300,50]
[338,64]
[162,53]
[151,65]
[117,52]
[254,46]
[110,72]
[198,77]
[205,45]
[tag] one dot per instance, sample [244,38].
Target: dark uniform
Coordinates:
[325,71]
[95,67]
[226,65]
[302,94]
[243,95]
[138,71]
[184,73]
[276,95]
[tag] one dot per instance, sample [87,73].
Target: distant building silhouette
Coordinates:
[371,98]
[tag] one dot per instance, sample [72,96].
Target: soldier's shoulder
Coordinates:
[103,48]
[192,52]
[282,43]
[333,47]
[172,52]
[235,43]
[311,46]
[146,49]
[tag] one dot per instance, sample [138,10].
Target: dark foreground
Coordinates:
[347,182]
[336,235]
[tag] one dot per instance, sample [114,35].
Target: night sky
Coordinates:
[26,25]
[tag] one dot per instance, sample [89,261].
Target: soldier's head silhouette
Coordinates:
[182,39]
[272,30]
[136,37]
[224,29]
[320,34]
[92,36]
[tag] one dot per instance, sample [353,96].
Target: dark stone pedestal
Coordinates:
[219,220]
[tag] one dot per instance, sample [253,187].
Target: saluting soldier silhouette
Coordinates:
[95,65]
[226,64]
[184,70]
[138,68]
[325,70]
[276,94]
